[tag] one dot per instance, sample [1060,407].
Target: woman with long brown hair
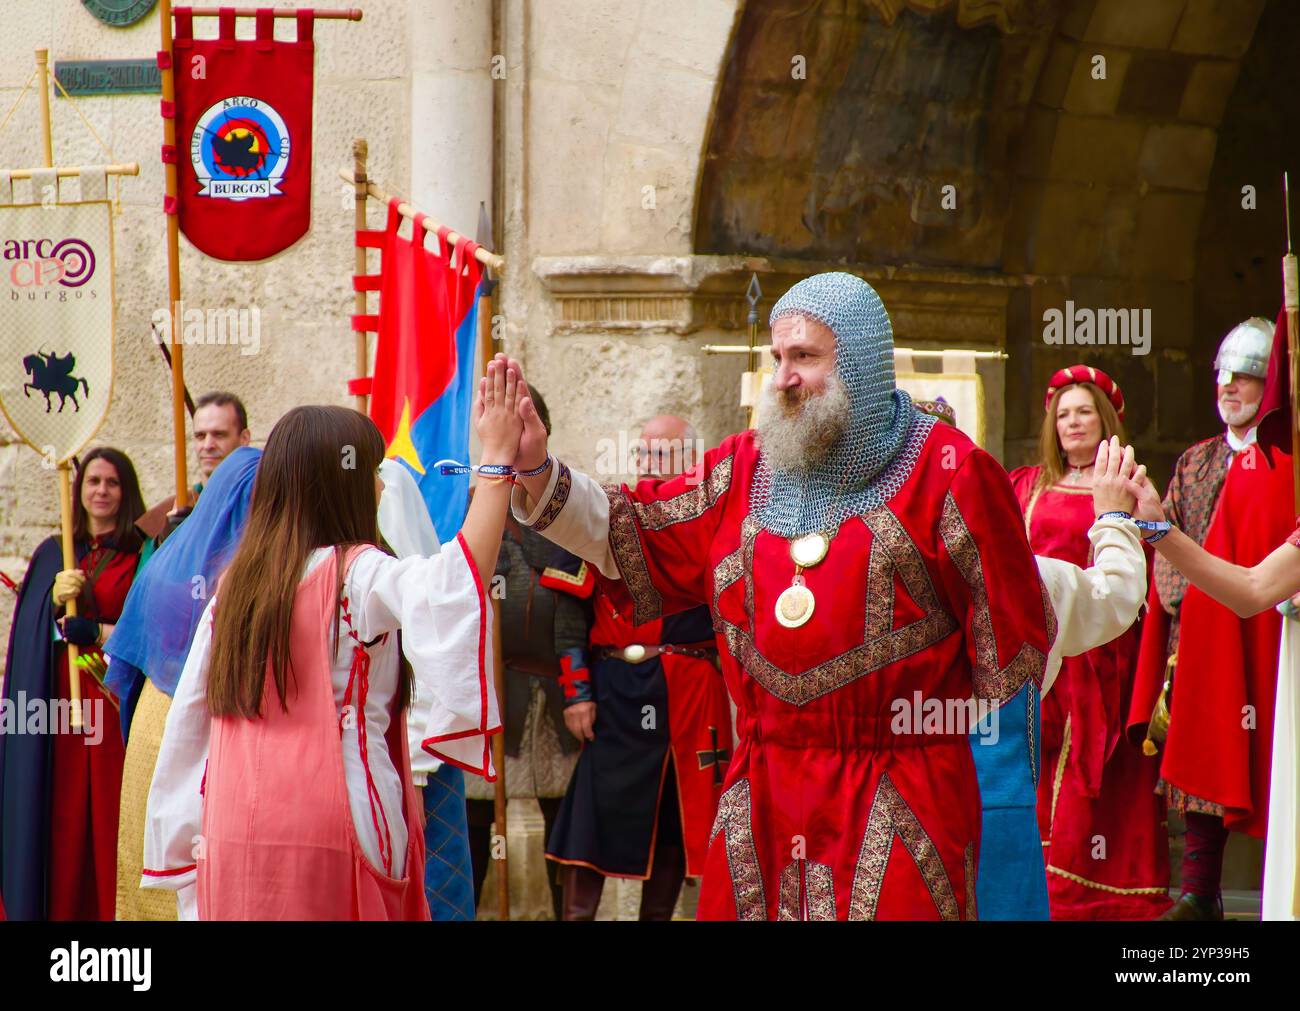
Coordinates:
[59,794]
[284,753]
[1104,840]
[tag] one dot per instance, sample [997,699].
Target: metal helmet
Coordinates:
[1246,349]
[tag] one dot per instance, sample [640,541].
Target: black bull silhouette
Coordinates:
[53,374]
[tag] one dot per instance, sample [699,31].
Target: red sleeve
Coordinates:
[992,580]
[660,533]
[1022,484]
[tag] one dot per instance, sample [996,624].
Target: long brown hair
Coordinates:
[126,538]
[1050,457]
[315,487]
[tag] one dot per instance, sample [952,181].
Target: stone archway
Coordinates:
[1093,148]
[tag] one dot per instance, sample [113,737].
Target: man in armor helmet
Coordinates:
[1191,503]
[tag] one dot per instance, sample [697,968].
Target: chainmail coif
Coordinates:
[880,446]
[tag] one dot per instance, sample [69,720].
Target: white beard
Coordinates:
[797,438]
[1238,418]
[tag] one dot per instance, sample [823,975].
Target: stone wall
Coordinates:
[364,88]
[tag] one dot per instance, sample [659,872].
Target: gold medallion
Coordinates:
[809,549]
[795,605]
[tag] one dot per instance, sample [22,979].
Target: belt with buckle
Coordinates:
[638,654]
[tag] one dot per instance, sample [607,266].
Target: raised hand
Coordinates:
[1148,505]
[1112,473]
[496,413]
[533,442]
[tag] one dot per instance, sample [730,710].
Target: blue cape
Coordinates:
[163,607]
[25,758]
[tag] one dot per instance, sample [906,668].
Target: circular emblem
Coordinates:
[119,13]
[795,606]
[240,150]
[78,261]
[809,549]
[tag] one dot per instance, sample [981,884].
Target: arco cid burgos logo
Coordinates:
[240,150]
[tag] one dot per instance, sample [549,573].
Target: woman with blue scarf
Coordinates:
[148,648]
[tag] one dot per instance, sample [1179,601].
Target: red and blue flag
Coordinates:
[422,392]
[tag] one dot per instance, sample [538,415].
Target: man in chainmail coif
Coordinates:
[868,575]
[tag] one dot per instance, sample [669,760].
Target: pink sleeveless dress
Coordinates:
[278,841]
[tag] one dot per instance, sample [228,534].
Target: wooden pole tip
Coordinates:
[360,148]
[42,55]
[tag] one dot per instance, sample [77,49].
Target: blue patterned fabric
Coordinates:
[448,874]
[1011,883]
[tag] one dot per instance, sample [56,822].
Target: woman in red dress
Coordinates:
[1103,827]
[74,855]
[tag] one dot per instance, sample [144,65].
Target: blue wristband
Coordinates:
[539,471]
[1156,530]
[1115,512]
[449,468]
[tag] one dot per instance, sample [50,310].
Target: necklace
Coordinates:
[1076,475]
[795,604]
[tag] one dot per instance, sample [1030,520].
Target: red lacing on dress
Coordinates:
[359,674]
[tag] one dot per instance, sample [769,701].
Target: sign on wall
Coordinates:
[119,13]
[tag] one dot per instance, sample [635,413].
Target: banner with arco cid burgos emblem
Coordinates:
[243,136]
[56,315]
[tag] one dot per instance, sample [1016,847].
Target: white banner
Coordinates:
[56,321]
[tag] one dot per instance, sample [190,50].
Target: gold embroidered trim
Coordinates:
[625,542]
[892,550]
[970,869]
[1028,663]
[1060,774]
[560,576]
[748,538]
[733,822]
[788,905]
[890,816]
[800,689]
[820,885]
[1108,888]
[563,485]
[690,504]
[725,574]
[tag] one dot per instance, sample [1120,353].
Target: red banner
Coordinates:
[243,130]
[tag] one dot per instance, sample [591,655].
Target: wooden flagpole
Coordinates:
[359,300]
[406,210]
[349,14]
[180,454]
[65,468]
[499,800]
[1291,299]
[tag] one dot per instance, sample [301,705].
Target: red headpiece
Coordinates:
[1086,374]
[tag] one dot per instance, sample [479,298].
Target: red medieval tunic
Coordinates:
[1218,754]
[832,808]
[86,770]
[1104,834]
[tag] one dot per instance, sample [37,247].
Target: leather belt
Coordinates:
[637,653]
